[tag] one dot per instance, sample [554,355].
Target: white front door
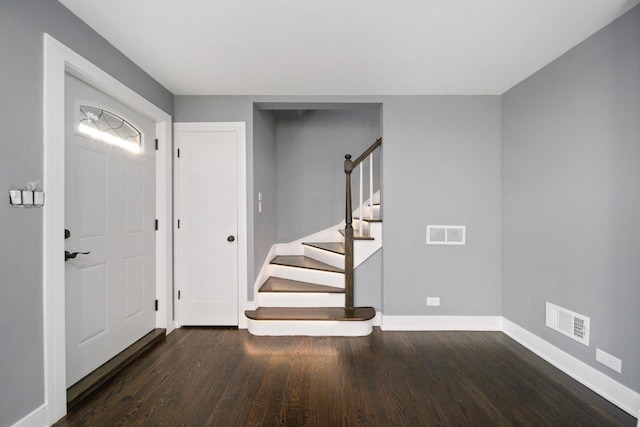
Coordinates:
[109,212]
[207,258]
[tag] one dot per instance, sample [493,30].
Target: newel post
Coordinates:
[348,238]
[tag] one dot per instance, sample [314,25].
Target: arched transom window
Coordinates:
[107,127]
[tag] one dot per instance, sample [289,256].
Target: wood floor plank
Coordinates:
[226,377]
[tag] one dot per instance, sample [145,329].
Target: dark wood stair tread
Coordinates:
[335,247]
[312,313]
[278,284]
[302,261]
[369,219]
[357,236]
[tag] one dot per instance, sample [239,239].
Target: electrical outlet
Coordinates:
[608,360]
[433,301]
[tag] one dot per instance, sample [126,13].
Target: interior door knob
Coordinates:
[231,238]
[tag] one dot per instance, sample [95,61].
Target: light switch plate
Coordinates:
[38,198]
[15,197]
[27,197]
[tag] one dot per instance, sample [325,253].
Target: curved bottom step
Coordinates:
[325,321]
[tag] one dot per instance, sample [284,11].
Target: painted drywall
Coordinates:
[241,108]
[22,24]
[368,280]
[441,162]
[310,150]
[571,196]
[264,182]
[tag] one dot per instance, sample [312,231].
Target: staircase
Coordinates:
[309,284]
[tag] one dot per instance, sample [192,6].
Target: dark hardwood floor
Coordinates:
[224,377]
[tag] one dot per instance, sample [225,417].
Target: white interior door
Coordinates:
[109,212]
[207,258]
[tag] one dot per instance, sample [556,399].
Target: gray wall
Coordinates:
[264,181]
[441,162]
[310,150]
[571,196]
[22,24]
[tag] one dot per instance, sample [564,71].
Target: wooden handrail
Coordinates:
[349,166]
[366,154]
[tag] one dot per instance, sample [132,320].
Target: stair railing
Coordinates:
[349,166]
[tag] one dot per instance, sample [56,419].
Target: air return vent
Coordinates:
[446,234]
[568,323]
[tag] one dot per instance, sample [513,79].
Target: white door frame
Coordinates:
[241,237]
[58,60]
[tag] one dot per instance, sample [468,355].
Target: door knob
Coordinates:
[231,238]
[69,255]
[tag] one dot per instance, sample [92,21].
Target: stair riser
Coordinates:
[310,328]
[296,299]
[327,257]
[367,211]
[365,226]
[307,275]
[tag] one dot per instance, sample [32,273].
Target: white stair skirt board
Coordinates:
[441,323]
[299,299]
[316,328]
[307,275]
[616,393]
[327,257]
[363,249]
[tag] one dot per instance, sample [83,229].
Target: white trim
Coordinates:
[616,393]
[315,328]
[441,323]
[58,60]
[37,418]
[241,129]
[263,275]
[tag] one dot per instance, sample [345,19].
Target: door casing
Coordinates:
[58,60]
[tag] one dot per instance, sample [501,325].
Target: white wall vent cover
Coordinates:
[446,235]
[568,323]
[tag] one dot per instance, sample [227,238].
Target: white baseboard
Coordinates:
[441,323]
[37,418]
[616,393]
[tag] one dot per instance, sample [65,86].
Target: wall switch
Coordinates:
[433,301]
[15,197]
[608,360]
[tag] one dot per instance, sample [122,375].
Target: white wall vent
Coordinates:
[446,235]
[568,323]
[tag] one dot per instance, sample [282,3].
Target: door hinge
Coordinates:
[156,144]
[156,225]
[156,305]
[178,294]
[178,153]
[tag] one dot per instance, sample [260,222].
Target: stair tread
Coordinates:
[312,313]
[357,236]
[335,247]
[278,284]
[370,219]
[302,261]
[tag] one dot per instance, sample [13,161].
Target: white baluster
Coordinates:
[361,204]
[371,186]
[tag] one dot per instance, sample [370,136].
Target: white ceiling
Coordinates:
[344,47]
